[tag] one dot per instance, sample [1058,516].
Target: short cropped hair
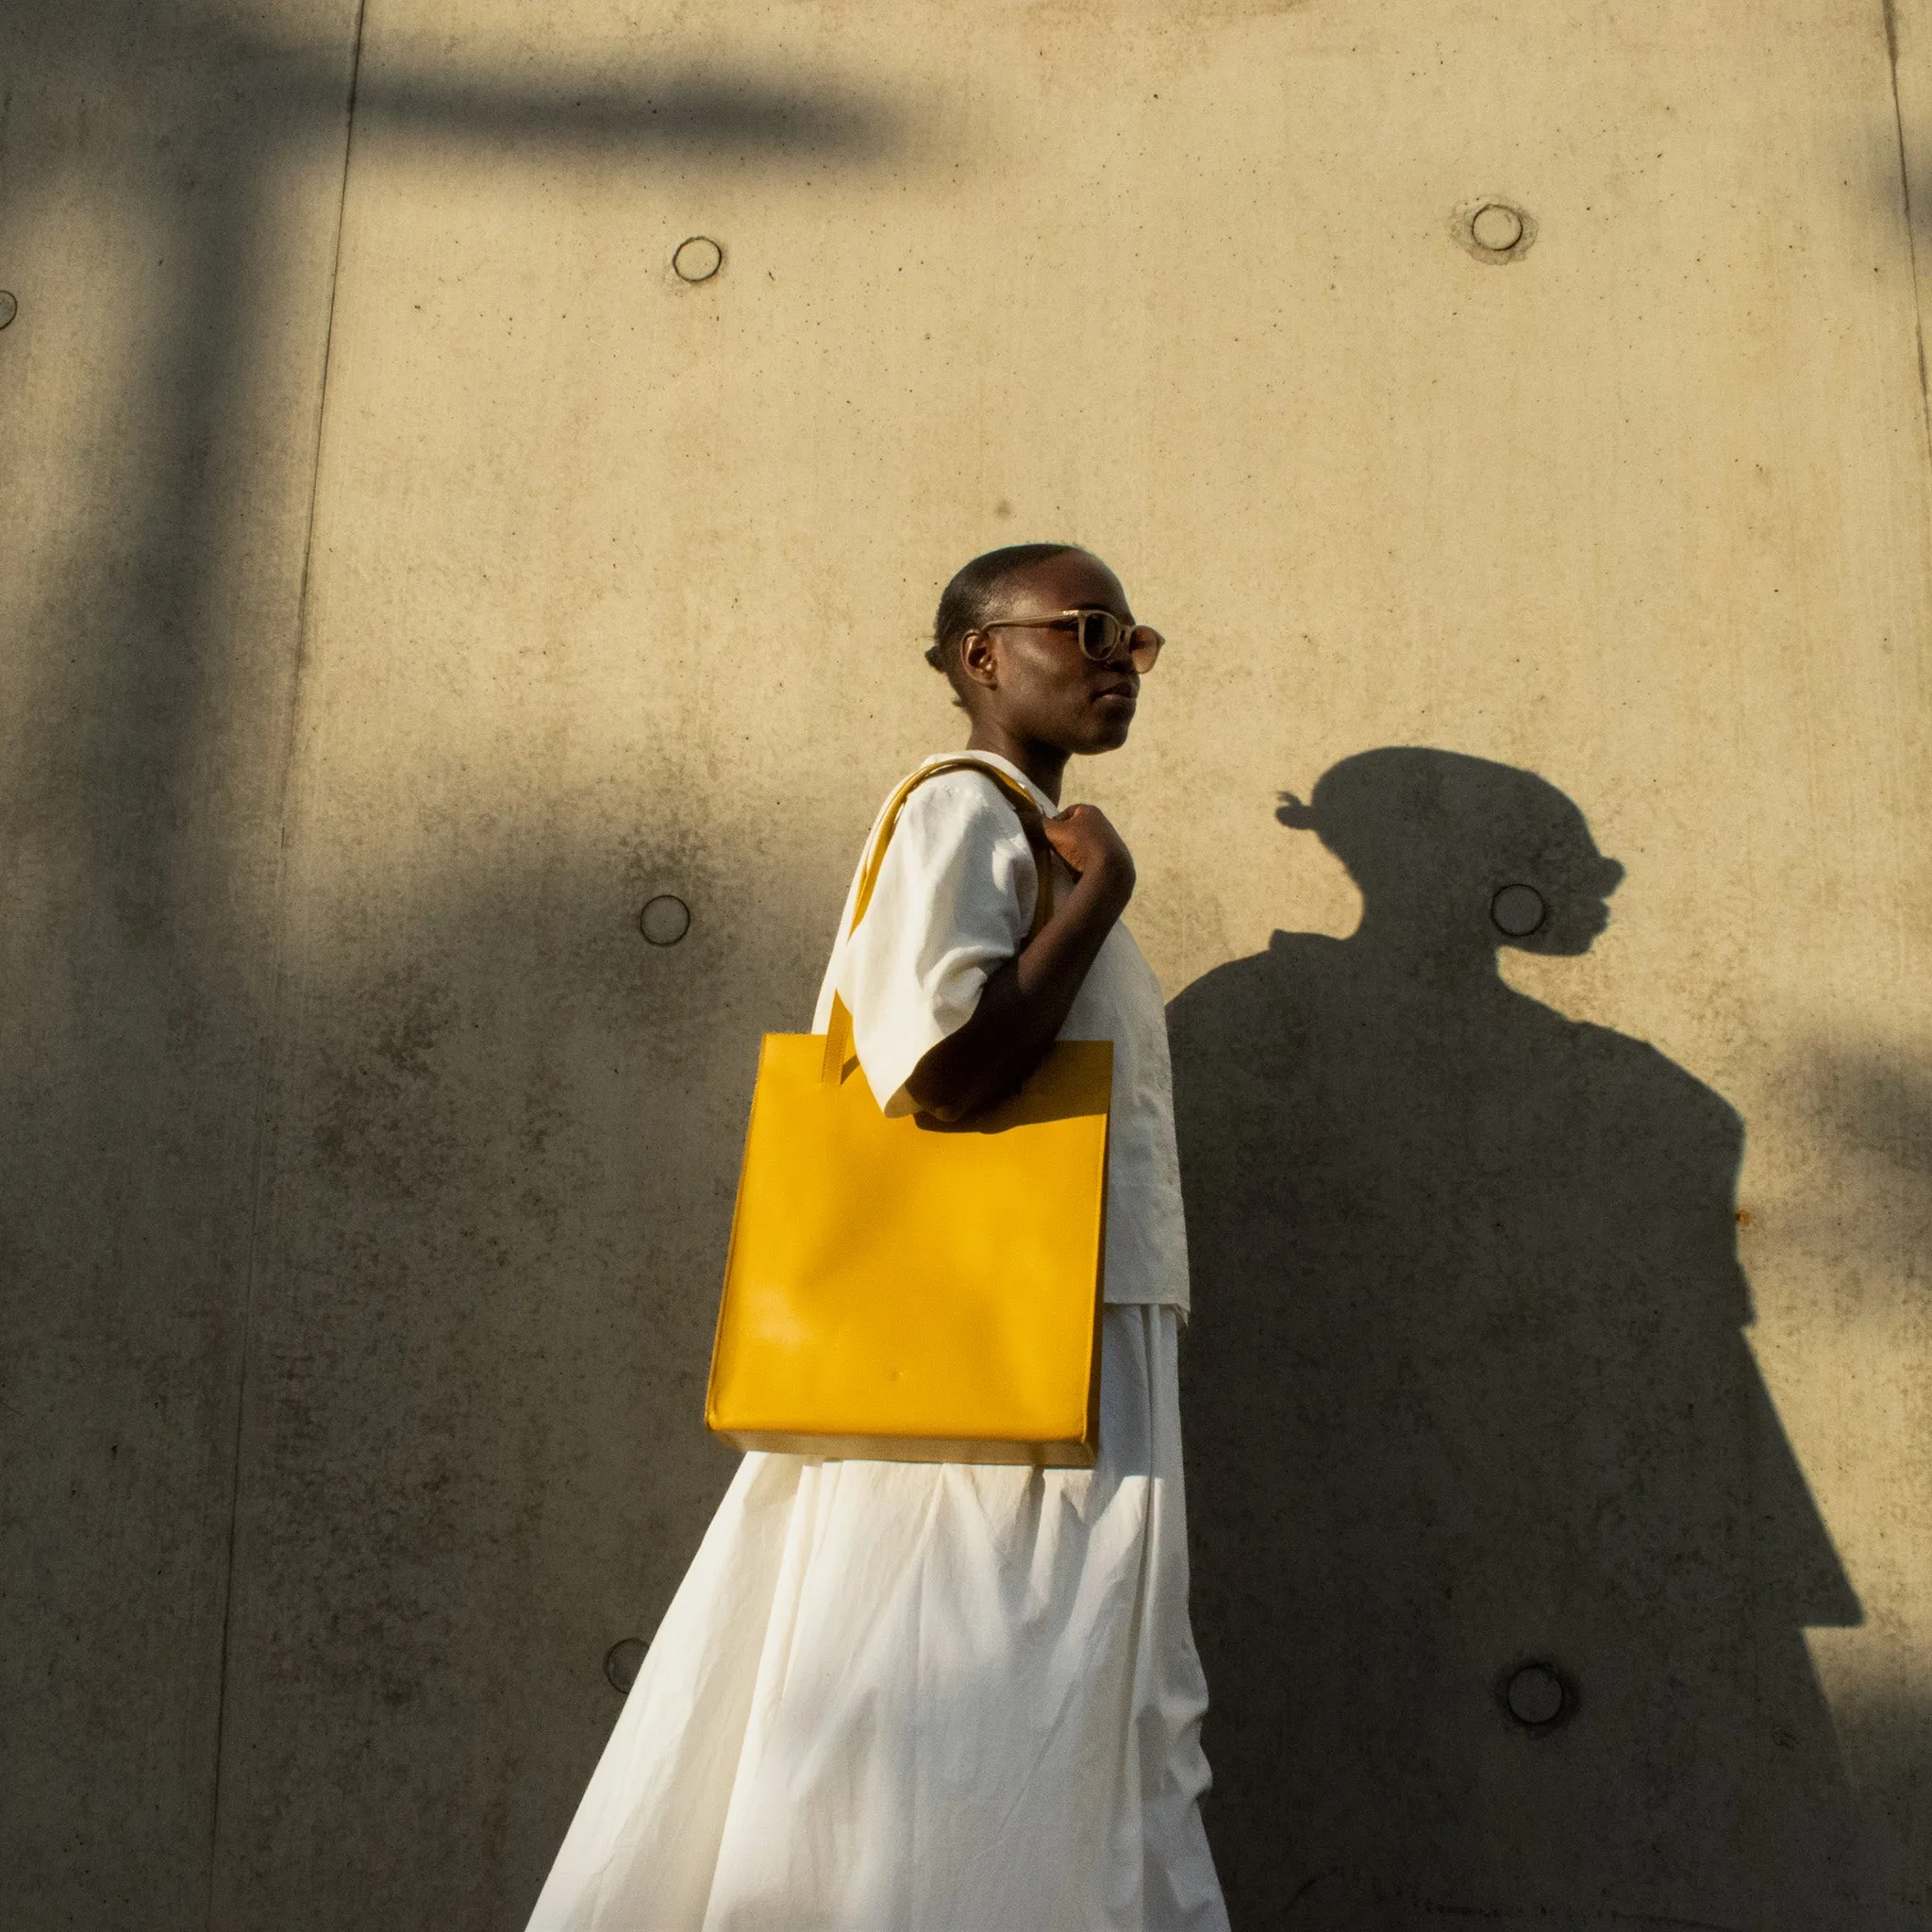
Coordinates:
[970,600]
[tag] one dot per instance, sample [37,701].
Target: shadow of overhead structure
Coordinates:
[1503,1561]
[177,594]
[708,114]
[175,184]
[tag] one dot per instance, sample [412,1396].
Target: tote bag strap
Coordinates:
[838,1049]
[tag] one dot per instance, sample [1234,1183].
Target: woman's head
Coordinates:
[973,597]
[1027,680]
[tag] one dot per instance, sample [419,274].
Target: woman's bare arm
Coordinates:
[1024,1005]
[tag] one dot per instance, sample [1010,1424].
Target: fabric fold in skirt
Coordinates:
[903,1697]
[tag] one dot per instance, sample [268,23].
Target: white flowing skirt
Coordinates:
[907,1697]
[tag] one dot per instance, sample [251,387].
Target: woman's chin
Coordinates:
[1108,727]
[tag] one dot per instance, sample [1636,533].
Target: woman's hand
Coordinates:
[1084,836]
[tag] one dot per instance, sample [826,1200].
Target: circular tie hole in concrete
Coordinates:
[1518,911]
[1538,1696]
[665,920]
[623,1662]
[1496,227]
[1492,229]
[697,259]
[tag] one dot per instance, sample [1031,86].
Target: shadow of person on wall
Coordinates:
[1502,1558]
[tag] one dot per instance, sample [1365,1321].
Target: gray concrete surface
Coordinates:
[172,181]
[408,575]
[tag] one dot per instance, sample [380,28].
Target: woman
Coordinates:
[909,1697]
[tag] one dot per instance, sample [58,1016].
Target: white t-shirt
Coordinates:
[954,902]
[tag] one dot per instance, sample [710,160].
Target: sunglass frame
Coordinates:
[1140,656]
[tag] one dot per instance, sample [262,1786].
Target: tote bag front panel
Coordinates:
[893,1279]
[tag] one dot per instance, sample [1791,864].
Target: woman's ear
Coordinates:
[979,658]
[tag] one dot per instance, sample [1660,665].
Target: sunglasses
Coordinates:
[1103,636]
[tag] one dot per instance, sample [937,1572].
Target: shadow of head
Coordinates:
[1456,847]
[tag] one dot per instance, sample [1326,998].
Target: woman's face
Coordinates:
[1038,683]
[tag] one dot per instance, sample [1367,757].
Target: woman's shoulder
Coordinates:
[960,825]
[963,799]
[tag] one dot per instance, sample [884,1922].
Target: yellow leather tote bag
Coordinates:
[911,1291]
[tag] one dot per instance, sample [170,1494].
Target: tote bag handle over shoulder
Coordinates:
[840,1057]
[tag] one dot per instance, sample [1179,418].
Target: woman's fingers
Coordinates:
[1070,834]
[1083,838]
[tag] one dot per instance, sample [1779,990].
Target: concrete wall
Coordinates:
[409,575]
[169,188]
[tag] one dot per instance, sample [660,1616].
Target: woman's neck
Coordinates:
[1046,764]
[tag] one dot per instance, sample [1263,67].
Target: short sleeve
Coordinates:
[953,903]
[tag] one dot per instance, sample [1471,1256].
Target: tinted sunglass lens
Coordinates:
[1143,646]
[1094,638]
